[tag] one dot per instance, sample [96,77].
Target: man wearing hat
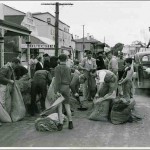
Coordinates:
[113,63]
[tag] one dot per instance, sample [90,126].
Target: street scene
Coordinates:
[74,74]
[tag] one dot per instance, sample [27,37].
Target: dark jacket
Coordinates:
[100,63]
[43,76]
[38,66]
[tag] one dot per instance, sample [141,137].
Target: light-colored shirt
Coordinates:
[129,73]
[41,64]
[100,76]
[89,64]
[113,65]
[69,63]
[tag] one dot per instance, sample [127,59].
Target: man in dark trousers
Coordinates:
[41,79]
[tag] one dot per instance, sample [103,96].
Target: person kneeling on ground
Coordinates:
[62,86]
[41,79]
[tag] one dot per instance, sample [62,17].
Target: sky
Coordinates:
[114,21]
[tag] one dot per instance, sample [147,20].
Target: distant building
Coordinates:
[89,44]
[131,50]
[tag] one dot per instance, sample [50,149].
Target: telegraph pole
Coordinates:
[83,38]
[56,23]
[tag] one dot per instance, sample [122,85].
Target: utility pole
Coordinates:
[83,38]
[104,41]
[56,23]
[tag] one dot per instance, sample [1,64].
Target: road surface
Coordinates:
[86,133]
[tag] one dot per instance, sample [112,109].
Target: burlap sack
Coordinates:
[18,109]
[101,111]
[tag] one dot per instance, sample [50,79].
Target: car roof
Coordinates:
[143,53]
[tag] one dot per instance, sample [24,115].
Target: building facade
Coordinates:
[42,27]
[49,31]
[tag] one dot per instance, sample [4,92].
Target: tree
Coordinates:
[117,47]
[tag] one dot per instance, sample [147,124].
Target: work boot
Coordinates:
[60,127]
[70,125]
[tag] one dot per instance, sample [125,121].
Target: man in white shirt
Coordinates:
[69,62]
[88,65]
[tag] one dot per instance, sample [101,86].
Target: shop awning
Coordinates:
[41,40]
[40,43]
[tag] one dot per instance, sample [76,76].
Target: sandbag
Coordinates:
[121,111]
[8,98]
[54,106]
[24,84]
[46,124]
[18,110]
[2,94]
[49,123]
[101,111]
[51,96]
[52,100]
[4,116]
[54,117]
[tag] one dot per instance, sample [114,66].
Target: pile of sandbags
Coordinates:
[117,111]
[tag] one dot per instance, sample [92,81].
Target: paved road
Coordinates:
[86,133]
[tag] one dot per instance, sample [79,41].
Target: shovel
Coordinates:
[81,108]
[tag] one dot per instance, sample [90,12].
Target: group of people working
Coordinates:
[105,72]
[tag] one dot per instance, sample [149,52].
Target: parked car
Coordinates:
[142,69]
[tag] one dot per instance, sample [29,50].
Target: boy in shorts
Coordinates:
[62,86]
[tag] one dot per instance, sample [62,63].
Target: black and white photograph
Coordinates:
[74,74]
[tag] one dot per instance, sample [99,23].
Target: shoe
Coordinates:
[60,127]
[70,125]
